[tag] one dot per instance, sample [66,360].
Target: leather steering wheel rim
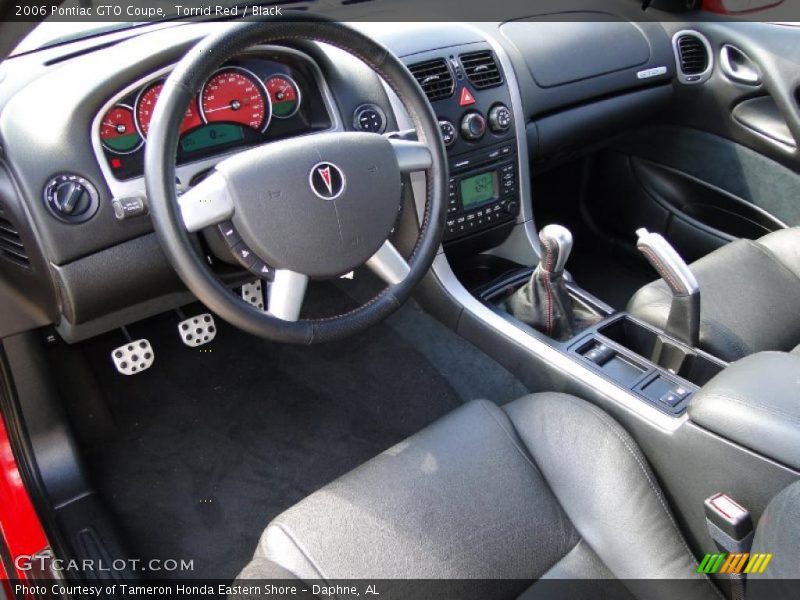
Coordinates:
[162,143]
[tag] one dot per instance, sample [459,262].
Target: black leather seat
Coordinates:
[749,296]
[546,487]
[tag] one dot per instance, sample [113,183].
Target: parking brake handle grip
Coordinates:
[684,315]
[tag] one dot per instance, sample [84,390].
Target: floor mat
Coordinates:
[211,443]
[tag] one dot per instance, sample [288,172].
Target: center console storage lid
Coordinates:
[755,402]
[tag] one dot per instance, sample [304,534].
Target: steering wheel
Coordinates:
[312,207]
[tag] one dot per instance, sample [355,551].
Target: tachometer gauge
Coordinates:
[284,95]
[118,131]
[146,104]
[235,95]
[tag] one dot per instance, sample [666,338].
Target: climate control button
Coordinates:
[499,118]
[473,126]
[449,133]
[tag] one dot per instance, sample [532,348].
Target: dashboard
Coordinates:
[255,98]
[104,267]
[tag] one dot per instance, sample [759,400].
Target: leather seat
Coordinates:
[749,296]
[546,487]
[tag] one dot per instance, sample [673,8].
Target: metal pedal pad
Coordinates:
[199,330]
[253,293]
[133,357]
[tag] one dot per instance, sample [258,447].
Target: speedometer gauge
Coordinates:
[284,94]
[235,95]
[146,104]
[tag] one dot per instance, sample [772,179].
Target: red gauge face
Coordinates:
[146,104]
[284,96]
[118,131]
[235,96]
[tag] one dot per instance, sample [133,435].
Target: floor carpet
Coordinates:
[211,443]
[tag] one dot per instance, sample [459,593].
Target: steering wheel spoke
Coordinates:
[207,203]
[388,264]
[411,156]
[286,294]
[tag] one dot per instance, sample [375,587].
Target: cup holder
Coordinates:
[665,352]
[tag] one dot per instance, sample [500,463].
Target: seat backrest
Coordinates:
[778,533]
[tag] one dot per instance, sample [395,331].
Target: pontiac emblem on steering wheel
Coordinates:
[326,180]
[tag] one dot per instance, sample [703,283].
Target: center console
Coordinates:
[656,367]
[484,192]
[469,91]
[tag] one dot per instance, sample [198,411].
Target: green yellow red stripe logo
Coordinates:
[739,562]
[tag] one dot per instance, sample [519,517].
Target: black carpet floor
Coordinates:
[207,446]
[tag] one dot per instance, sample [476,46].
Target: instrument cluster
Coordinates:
[249,100]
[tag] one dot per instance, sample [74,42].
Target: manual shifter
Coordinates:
[544,302]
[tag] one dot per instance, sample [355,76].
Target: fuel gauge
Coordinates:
[284,94]
[118,130]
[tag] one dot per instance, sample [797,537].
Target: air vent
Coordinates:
[11,247]
[481,69]
[435,78]
[693,53]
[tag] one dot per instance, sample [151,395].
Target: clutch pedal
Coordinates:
[253,293]
[199,330]
[133,357]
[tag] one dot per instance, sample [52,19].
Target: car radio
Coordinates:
[484,190]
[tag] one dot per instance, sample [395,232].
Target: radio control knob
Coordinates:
[499,118]
[473,126]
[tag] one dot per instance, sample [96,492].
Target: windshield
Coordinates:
[51,33]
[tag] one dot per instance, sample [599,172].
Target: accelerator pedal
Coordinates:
[133,357]
[253,293]
[199,330]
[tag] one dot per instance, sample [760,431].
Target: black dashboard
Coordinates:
[90,274]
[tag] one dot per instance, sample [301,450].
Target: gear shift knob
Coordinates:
[556,243]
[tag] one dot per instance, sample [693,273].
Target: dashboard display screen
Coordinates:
[479,189]
[210,136]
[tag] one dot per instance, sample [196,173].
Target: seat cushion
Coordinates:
[548,486]
[778,533]
[749,296]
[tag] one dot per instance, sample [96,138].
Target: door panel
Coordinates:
[724,161]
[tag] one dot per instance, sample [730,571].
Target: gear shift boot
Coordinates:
[544,301]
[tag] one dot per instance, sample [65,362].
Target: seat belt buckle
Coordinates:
[729,523]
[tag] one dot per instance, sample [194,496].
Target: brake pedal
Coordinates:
[253,293]
[199,330]
[133,357]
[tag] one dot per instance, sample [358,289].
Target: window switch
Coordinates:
[674,396]
[600,354]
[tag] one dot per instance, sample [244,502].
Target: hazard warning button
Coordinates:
[466,98]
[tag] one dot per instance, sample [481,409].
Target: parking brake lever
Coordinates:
[684,315]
